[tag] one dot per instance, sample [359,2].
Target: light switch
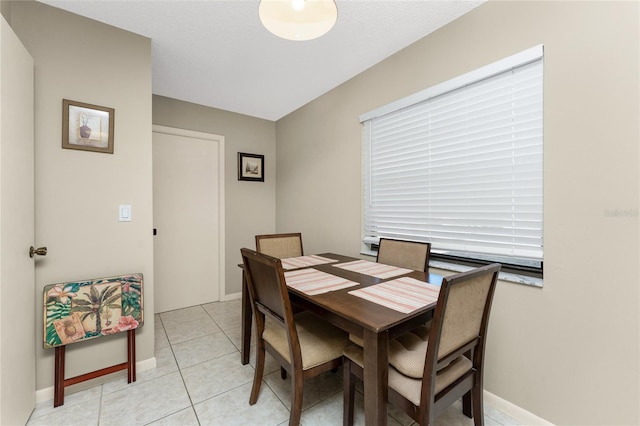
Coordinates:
[125,213]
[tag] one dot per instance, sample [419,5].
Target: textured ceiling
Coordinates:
[217,53]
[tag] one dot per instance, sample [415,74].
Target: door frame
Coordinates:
[221,194]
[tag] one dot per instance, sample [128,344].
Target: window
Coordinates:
[459,165]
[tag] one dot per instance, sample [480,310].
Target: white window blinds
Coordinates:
[460,165]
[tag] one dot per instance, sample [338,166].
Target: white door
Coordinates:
[188,219]
[17,287]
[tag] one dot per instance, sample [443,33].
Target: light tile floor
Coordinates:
[199,380]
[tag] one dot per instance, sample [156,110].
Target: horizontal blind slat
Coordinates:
[462,170]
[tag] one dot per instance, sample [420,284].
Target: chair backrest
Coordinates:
[460,321]
[280,246]
[266,284]
[404,254]
[270,297]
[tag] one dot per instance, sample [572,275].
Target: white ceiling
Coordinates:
[217,53]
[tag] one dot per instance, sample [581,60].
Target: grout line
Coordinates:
[264,382]
[235,351]
[199,337]
[181,378]
[100,404]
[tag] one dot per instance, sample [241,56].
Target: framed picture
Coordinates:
[250,167]
[87,127]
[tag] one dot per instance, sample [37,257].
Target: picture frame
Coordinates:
[250,167]
[87,127]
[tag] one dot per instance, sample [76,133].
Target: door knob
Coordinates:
[40,251]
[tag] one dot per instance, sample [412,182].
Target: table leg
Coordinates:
[245,345]
[376,375]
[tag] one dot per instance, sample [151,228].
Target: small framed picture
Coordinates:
[250,167]
[87,127]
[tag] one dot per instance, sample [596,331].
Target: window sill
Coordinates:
[454,267]
[504,276]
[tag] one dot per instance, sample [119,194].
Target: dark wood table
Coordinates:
[376,325]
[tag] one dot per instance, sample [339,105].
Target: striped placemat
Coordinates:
[304,261]
[374,269]
[312,281]
[403,294]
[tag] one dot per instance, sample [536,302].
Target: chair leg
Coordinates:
[467,409]
[348,394]
[296,400]
[283,373]
[259,371]
[478,406]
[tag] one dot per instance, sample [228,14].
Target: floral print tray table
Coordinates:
[81,310]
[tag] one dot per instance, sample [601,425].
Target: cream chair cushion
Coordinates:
[320,342]
[410,387]
[407,352]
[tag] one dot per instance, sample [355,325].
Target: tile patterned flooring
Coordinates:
[199,380]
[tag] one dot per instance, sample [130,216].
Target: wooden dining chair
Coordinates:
[280,246]
[404,254]
[304,345]
[433,366]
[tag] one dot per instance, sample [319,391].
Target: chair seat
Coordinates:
[320,342]
[406,352]
[410,387]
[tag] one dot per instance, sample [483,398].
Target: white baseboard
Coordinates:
[46,394]
[512,410]
[232,296]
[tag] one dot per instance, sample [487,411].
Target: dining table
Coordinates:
[374,323]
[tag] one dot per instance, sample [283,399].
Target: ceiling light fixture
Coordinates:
[298,19]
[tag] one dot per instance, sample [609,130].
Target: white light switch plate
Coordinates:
[125,213]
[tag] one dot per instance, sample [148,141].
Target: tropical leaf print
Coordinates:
[103,306]
[55,311]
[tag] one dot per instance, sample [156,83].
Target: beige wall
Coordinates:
[568,352]
[250,207]
[77,192]
[5,10]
